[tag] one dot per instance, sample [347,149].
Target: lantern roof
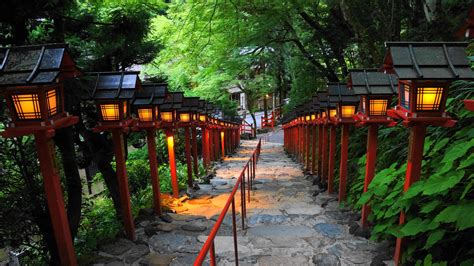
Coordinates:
[339,93]
[151,94]
[371,81]
[315,103]
[190,104]
[35,65]
[202,106]
[173,101]
[428,60]
[209,108]
[112,85]
[324,101]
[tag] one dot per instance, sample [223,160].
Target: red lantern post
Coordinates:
[168,115]
[146,104]
[375,90]
[36,106]
[112,92]
[422,91]
[346,107]
[186,115]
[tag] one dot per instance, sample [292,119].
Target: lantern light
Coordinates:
[147,103]
[167,116]
[112,92]
[185,117]
[110,111]
[31,81]
[425,76]
[375,90]
[145,114]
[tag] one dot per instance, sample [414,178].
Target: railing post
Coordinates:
[242,200]
[249,186]
[212,255]
[234,232]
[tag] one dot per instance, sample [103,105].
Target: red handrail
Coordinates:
[247,172]
[268,121]
[246,127]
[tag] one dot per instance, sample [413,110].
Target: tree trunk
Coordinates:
[102,155]
[254,123]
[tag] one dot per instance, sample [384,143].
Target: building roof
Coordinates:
[370,81]
[35,64]
[151,94]
[428,60]
[339,93]
[112,85]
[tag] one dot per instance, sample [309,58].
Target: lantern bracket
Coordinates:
[62,122]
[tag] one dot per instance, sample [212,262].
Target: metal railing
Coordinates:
[248,172]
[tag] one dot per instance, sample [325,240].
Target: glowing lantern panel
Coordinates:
[145,114]
[167,116]
[428,99]
[110,111]
[332,113]
[52,100]
[378,107]
[27,106]
[347,110]
[185,117]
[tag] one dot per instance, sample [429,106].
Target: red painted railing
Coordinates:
[248,172]
[268,121]
[245,127]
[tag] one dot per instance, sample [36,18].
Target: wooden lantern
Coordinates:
[32,82]
[425,71]
[375,90]
[146,104]
[345,100]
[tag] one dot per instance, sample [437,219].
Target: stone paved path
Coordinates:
[288,222]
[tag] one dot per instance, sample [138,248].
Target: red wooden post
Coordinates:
[195,151]
[415,158]
[222,144]
[211,144]
[217,144]
[307,150]
[155,180]
[332,157]
[205,147]
[187,147]
[325,154]
[314,141]
[122,179]
[371,160]
[320,150]
[343,163]
[172,161]
[54,199]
